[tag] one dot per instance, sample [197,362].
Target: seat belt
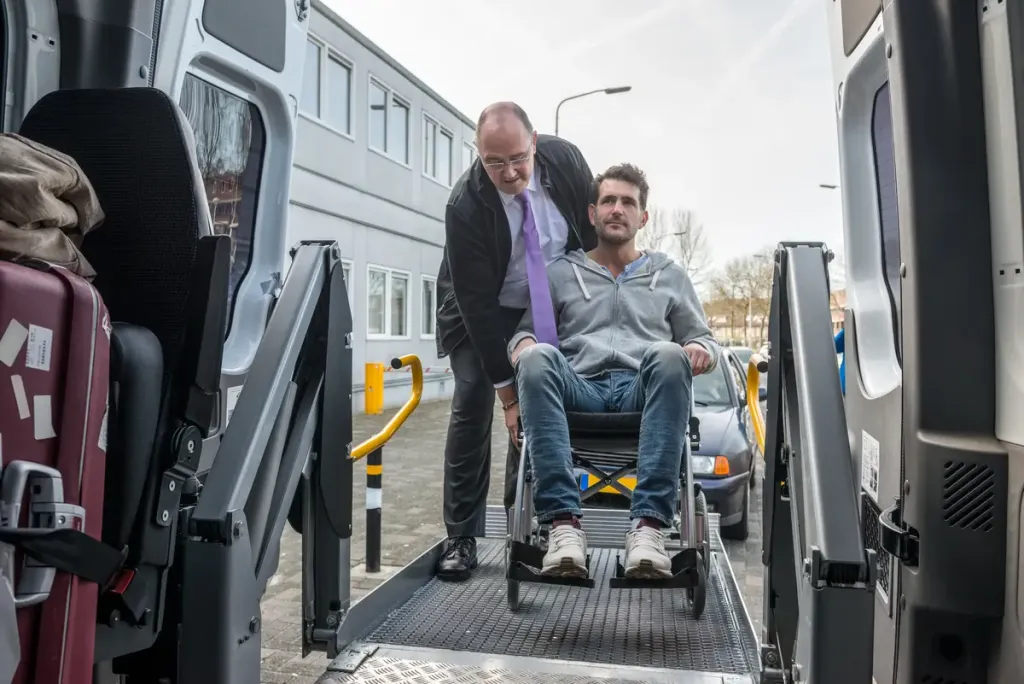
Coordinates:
[69,550]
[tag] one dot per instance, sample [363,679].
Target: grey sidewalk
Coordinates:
[413,467]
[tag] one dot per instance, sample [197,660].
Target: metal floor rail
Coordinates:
[464,632]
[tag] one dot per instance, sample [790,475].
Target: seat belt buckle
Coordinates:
[124,599]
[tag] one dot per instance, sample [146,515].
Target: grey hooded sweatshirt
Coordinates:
[606,324]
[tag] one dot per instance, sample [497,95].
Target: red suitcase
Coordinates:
[54,368]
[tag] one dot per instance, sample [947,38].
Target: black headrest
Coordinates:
[137,149]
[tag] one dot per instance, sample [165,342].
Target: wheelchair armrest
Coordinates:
[207,319]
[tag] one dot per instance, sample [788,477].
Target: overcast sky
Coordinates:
[731,113]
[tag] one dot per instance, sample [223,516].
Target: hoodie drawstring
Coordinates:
[579,279]
[654,280]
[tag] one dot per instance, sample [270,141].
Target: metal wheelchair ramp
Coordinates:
[464,632]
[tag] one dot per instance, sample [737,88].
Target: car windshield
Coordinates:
[712,389]
[742,353]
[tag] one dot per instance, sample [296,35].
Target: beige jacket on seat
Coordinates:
[47,205]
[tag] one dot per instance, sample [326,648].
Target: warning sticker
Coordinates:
[869,464]
[40,344]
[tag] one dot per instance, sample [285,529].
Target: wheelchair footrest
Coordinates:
[684,574]
[525,562]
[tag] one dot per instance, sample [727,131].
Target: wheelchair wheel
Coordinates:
[513,585]
[696,597]
[703,529]
[520,527]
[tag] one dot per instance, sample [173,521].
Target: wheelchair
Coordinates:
[606,446]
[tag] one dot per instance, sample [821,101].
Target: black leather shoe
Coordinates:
[458,561]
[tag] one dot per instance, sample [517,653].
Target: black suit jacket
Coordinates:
[478,246]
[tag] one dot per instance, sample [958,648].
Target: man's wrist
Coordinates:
[507,394]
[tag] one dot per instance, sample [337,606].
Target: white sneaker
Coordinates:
[567,553]
[646,557]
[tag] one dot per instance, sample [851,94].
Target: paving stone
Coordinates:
[411,523]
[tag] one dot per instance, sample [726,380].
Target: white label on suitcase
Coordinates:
[42,413]
[10,343]
[20,398]
[40,342]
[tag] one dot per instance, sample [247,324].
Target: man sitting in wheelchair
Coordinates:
[628,334]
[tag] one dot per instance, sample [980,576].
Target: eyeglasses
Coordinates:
[517,161]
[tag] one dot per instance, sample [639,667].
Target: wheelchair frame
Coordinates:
[691,565]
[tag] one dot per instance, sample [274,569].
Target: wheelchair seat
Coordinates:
[609,440]
[603,424]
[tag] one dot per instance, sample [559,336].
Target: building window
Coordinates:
[229,141]
[339,95]
[387,303]
[468,155]
[327,87]
[399,300]
[428,305]
[437,152]
[310,97]
[389,122]
[346,272]
[885,174]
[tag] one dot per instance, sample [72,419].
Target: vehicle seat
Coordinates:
[164,279]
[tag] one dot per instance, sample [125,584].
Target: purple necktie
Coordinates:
[537,276]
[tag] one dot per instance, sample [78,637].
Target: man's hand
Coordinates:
[510,406]
[700,359]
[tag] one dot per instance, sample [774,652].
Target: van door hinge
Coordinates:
[897,538]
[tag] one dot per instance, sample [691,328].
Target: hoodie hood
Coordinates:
[653,264]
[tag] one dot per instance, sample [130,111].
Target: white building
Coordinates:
[376,155]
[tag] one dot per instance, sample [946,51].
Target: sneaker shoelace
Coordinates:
[649,538]
[562,535]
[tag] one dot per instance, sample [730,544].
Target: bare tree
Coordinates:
[742,291]
[680,234]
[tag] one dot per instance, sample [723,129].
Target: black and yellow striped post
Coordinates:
[374,502]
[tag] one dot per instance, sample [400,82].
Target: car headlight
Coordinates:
[703,465]
[710,465]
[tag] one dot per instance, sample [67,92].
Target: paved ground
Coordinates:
[411,523]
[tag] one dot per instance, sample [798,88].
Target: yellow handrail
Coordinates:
[755,367]
[379,439]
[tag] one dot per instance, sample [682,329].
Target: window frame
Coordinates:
[424,279]
[261,119]
[327,53]
[390,95]
[887,208]
[389,273]
[473,151]
[349,265]
[439,130]
[311,40]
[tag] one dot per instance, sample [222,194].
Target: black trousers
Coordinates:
[467,451]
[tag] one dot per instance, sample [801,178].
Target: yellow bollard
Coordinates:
[374,389]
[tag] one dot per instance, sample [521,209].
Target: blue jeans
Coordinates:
[548,387]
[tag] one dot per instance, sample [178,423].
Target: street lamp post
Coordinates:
[606,91]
